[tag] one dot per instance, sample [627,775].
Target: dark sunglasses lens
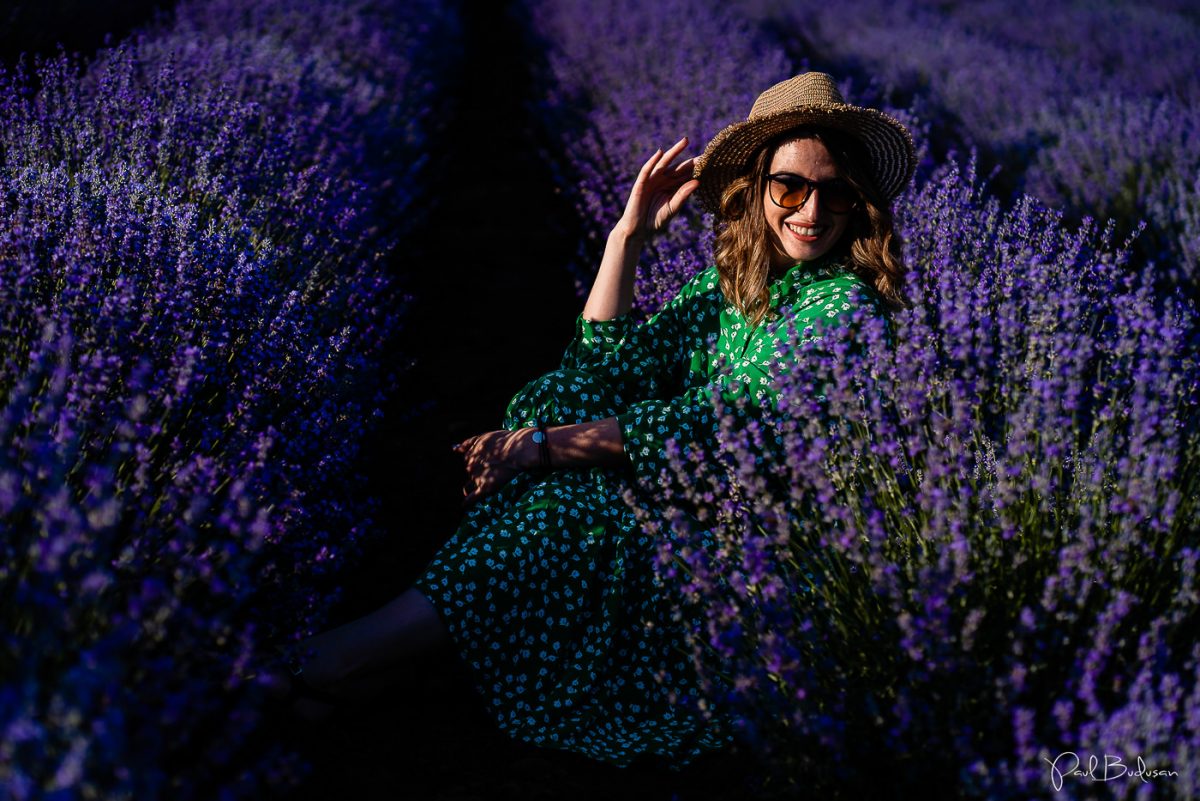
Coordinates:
[788,195]
[838,197]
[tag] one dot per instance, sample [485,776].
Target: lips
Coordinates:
[806,233]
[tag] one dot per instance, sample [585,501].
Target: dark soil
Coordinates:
[494,305]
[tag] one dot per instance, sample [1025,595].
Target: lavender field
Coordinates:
[248,301]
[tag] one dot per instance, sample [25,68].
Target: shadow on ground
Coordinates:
[494,306]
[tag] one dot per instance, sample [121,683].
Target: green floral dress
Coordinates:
[548,587]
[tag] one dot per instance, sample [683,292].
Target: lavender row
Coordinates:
[193,309]
[1093,107]
[978,542]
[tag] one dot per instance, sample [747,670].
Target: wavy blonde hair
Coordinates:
[743,245]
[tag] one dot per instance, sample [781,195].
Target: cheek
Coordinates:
[774,221]
[842,225]
[769,212]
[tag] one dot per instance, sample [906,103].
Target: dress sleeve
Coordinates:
[640,361]
[693,417]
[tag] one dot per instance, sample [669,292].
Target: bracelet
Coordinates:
[543,442]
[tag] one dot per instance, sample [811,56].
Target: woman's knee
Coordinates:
[562,397]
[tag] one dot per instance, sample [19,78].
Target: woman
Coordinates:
[547,590]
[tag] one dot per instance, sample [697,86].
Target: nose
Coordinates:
[810,211]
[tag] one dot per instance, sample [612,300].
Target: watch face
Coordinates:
[538,437]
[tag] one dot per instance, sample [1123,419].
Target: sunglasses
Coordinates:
[793,191]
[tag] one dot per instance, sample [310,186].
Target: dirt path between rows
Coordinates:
[494,307]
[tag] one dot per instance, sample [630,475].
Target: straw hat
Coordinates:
[807,99]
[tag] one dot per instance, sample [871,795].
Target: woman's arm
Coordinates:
[612,292]
[657,195]
[594,444]
[494,458]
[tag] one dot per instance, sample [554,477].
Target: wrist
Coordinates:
[627,237]
[527,449]
[542,438]
[531,454]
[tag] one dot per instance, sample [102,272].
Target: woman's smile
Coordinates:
[807,233]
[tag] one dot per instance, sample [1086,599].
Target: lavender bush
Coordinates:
[192,309]
[1130,159]
[1093,106]
[962,546]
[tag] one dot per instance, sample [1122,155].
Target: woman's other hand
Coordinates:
[658,193]
[492,459]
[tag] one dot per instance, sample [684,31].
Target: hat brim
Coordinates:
[888,143]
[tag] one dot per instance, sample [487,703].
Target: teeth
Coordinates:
[805,231]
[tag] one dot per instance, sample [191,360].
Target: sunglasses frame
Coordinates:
[810,186]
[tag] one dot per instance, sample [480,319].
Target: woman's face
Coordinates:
[807,233]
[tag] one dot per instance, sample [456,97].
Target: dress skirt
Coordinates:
[549,592]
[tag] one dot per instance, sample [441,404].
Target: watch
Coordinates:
[543,444]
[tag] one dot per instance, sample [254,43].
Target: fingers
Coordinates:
[684,167]
[648,167]
[475,490]
[680,174]
[669,202]
[471,491]
[661,161]
[666,169]
[663,165]
[651,199]
[675,150]
[683,192]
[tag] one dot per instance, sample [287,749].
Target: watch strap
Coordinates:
[543,441]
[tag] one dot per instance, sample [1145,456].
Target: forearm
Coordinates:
[612,291]
[595,444]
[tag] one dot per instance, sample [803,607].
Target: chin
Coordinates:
[795,255]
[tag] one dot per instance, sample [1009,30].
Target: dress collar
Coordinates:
[805,272]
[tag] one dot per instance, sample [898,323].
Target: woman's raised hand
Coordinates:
[658,193]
